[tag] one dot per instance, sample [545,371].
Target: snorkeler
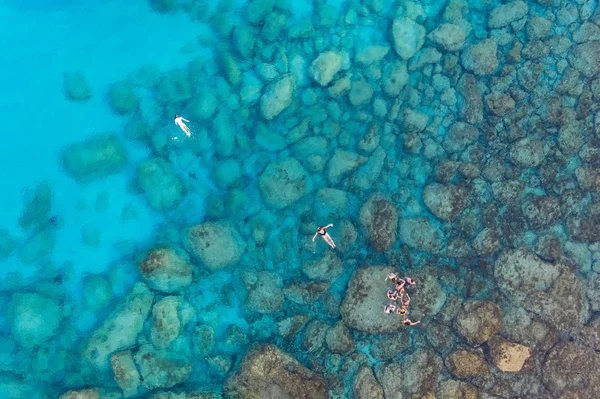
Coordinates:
[179,122]
[407,322]
[389,309]
[321,232]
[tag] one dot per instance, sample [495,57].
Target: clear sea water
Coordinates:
[104,227]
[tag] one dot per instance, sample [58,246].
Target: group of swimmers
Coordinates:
[399,294]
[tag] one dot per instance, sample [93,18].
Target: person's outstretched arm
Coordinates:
[315,236]
[329,225]
[185,119]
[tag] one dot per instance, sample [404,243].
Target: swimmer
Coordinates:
[389,309]
[405,302]
[400,284]
[321,232]
[179,122]
[409,281]
[407,322]
[392,295]
[402,311]
[392,276]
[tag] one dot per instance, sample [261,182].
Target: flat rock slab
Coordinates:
[365,299]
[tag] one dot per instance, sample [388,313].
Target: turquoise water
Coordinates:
[454,142]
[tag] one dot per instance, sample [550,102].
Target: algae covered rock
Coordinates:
[395,76]
[215,244]
[481,58]
[277,96]
[122,98]
[365,386]
[448,37]
[585,58]
[165,270]
[527,152]
[76,87]
[166,325]
[325,66]
[445,201]
[34,318]
[265,294]
[126,374]
[161,187]
[421,234]
[94,158]
[478,321]
[283,183]
[380,218]
[544,288]
[268,372]
[327,268]
[37,206]
[89,393]
[408,37]
[120,330]
[365,299]
[161,369]
[572,371]
[467,363]
[505,14]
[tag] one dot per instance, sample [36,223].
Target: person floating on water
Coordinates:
[390,308]
[321,232]
[179,121]
[406,321]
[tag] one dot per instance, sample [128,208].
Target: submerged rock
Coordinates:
[94,158]
[365,386]
[126,373]
[341,164]
[408,37]
[395,76]
[421,234]
[120,330]
[478,321]
[466,363]
[365,299]
[380,218]
[89,393]
[76,87]
[508,356]
[481,58]
[122,98]
[166,325]
[265,294]
[505,14]
[325,66]
[585,58]
[215,244]
[327,268]
[165,270]
[448,37]
[546,289]
[283,183]
[445,201]
[34,318]
[162,188]
[267,371]
[7,244]
[159,369]
[572,371]
[277,97]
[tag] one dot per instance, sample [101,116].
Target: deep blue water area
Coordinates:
[452,142]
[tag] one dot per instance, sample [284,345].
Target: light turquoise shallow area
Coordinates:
[454,142]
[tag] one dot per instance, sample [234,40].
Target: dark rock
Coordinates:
[478,321]
[541,211]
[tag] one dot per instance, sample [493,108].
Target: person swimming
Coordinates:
[321,231]
[389,309]
[406,321]
[392,295]
[179,122]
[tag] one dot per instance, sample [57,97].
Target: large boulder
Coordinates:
[572,371]
[527,152]
[214,244]
[365,299]
[94,158]
[165,270]
[585,58]
[418,373]
[34,318]
[408,37]
[420,233]
[126,373]
[478,321]
[76,86]
[508,356]
[448,37]
[445,201]
[120,330]
[380,218]
[343,163]
[325,66]
[326,268]
[546,289]
[162,188]
[166,325]
[265,294]
[160,368]
[481,58]
[268,372]
[459,136]
[505,14]
[283,183]
[365,386]
[277,96]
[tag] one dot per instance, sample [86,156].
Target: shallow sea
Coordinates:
[469,168]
